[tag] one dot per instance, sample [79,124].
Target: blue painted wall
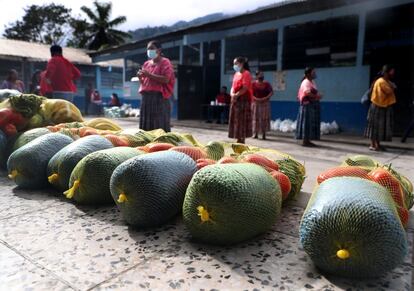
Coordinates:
[339,84]
[341,87]
[351,116]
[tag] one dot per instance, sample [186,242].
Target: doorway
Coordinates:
[390,40]
[198,85]
[190,92]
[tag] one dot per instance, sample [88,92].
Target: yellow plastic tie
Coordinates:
[203,213]
[342,254]
[13,174]
[53,178]
[71,192]
[122,198]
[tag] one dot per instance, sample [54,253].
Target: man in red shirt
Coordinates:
[223,97]
[60,74]
[221,108]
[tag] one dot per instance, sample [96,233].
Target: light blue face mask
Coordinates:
[236,68]
[152,54]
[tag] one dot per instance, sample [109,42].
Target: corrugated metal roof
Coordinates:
[40,52]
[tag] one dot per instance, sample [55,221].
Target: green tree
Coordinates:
[80,36]
[45,24]
[100,29]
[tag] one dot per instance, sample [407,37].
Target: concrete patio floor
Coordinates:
[48,243]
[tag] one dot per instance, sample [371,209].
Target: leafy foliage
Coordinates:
[44,24]
[100,31]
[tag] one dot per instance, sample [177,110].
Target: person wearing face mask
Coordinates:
[240,121]
[380,113]
[157,86]
[262,91]
[308,123]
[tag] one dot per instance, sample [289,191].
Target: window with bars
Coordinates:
[111,78]
[328,43]
[173,54]
[260,49]
[191,55]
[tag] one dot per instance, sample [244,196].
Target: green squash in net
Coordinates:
[351,228]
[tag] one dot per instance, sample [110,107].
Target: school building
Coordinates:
[347,41]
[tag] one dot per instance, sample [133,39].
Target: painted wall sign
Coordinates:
[279,81]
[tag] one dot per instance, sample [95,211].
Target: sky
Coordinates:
[140,13]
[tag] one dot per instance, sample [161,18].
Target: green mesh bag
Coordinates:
[149,190]
[351,228]
[61,165]
[229,203]
[89,180]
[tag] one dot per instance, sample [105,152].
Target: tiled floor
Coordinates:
[48,243]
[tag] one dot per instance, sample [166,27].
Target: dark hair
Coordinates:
[307,72]
[56,50]
[224,87]
[37,72]
[155,43]
[10,72]
[386,69]
[245,62]
[115,96]
[258,72]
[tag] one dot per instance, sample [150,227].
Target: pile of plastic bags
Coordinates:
[329,128]
[125,110]
[288,125]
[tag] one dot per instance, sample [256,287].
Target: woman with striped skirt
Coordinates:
[240,121]
[262,91]
[308,121]
[157,85]
[380,113]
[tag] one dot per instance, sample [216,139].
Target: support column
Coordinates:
[361,39]
[223,60]
[280,34]
[181,58]
[201,53]
[123,72]
[98,78]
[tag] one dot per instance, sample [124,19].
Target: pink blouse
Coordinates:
[305,87]
[163,68]
[241,80]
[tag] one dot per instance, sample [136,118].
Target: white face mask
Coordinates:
[152,54]
[236,68]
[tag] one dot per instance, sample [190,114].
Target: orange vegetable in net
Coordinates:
[157,147]
[201,163]
[117,141]
[284,183]
[227,160]
[386,179]
[194,152]
[262,161]
[347,171]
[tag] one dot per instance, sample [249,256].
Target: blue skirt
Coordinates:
[308,123]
